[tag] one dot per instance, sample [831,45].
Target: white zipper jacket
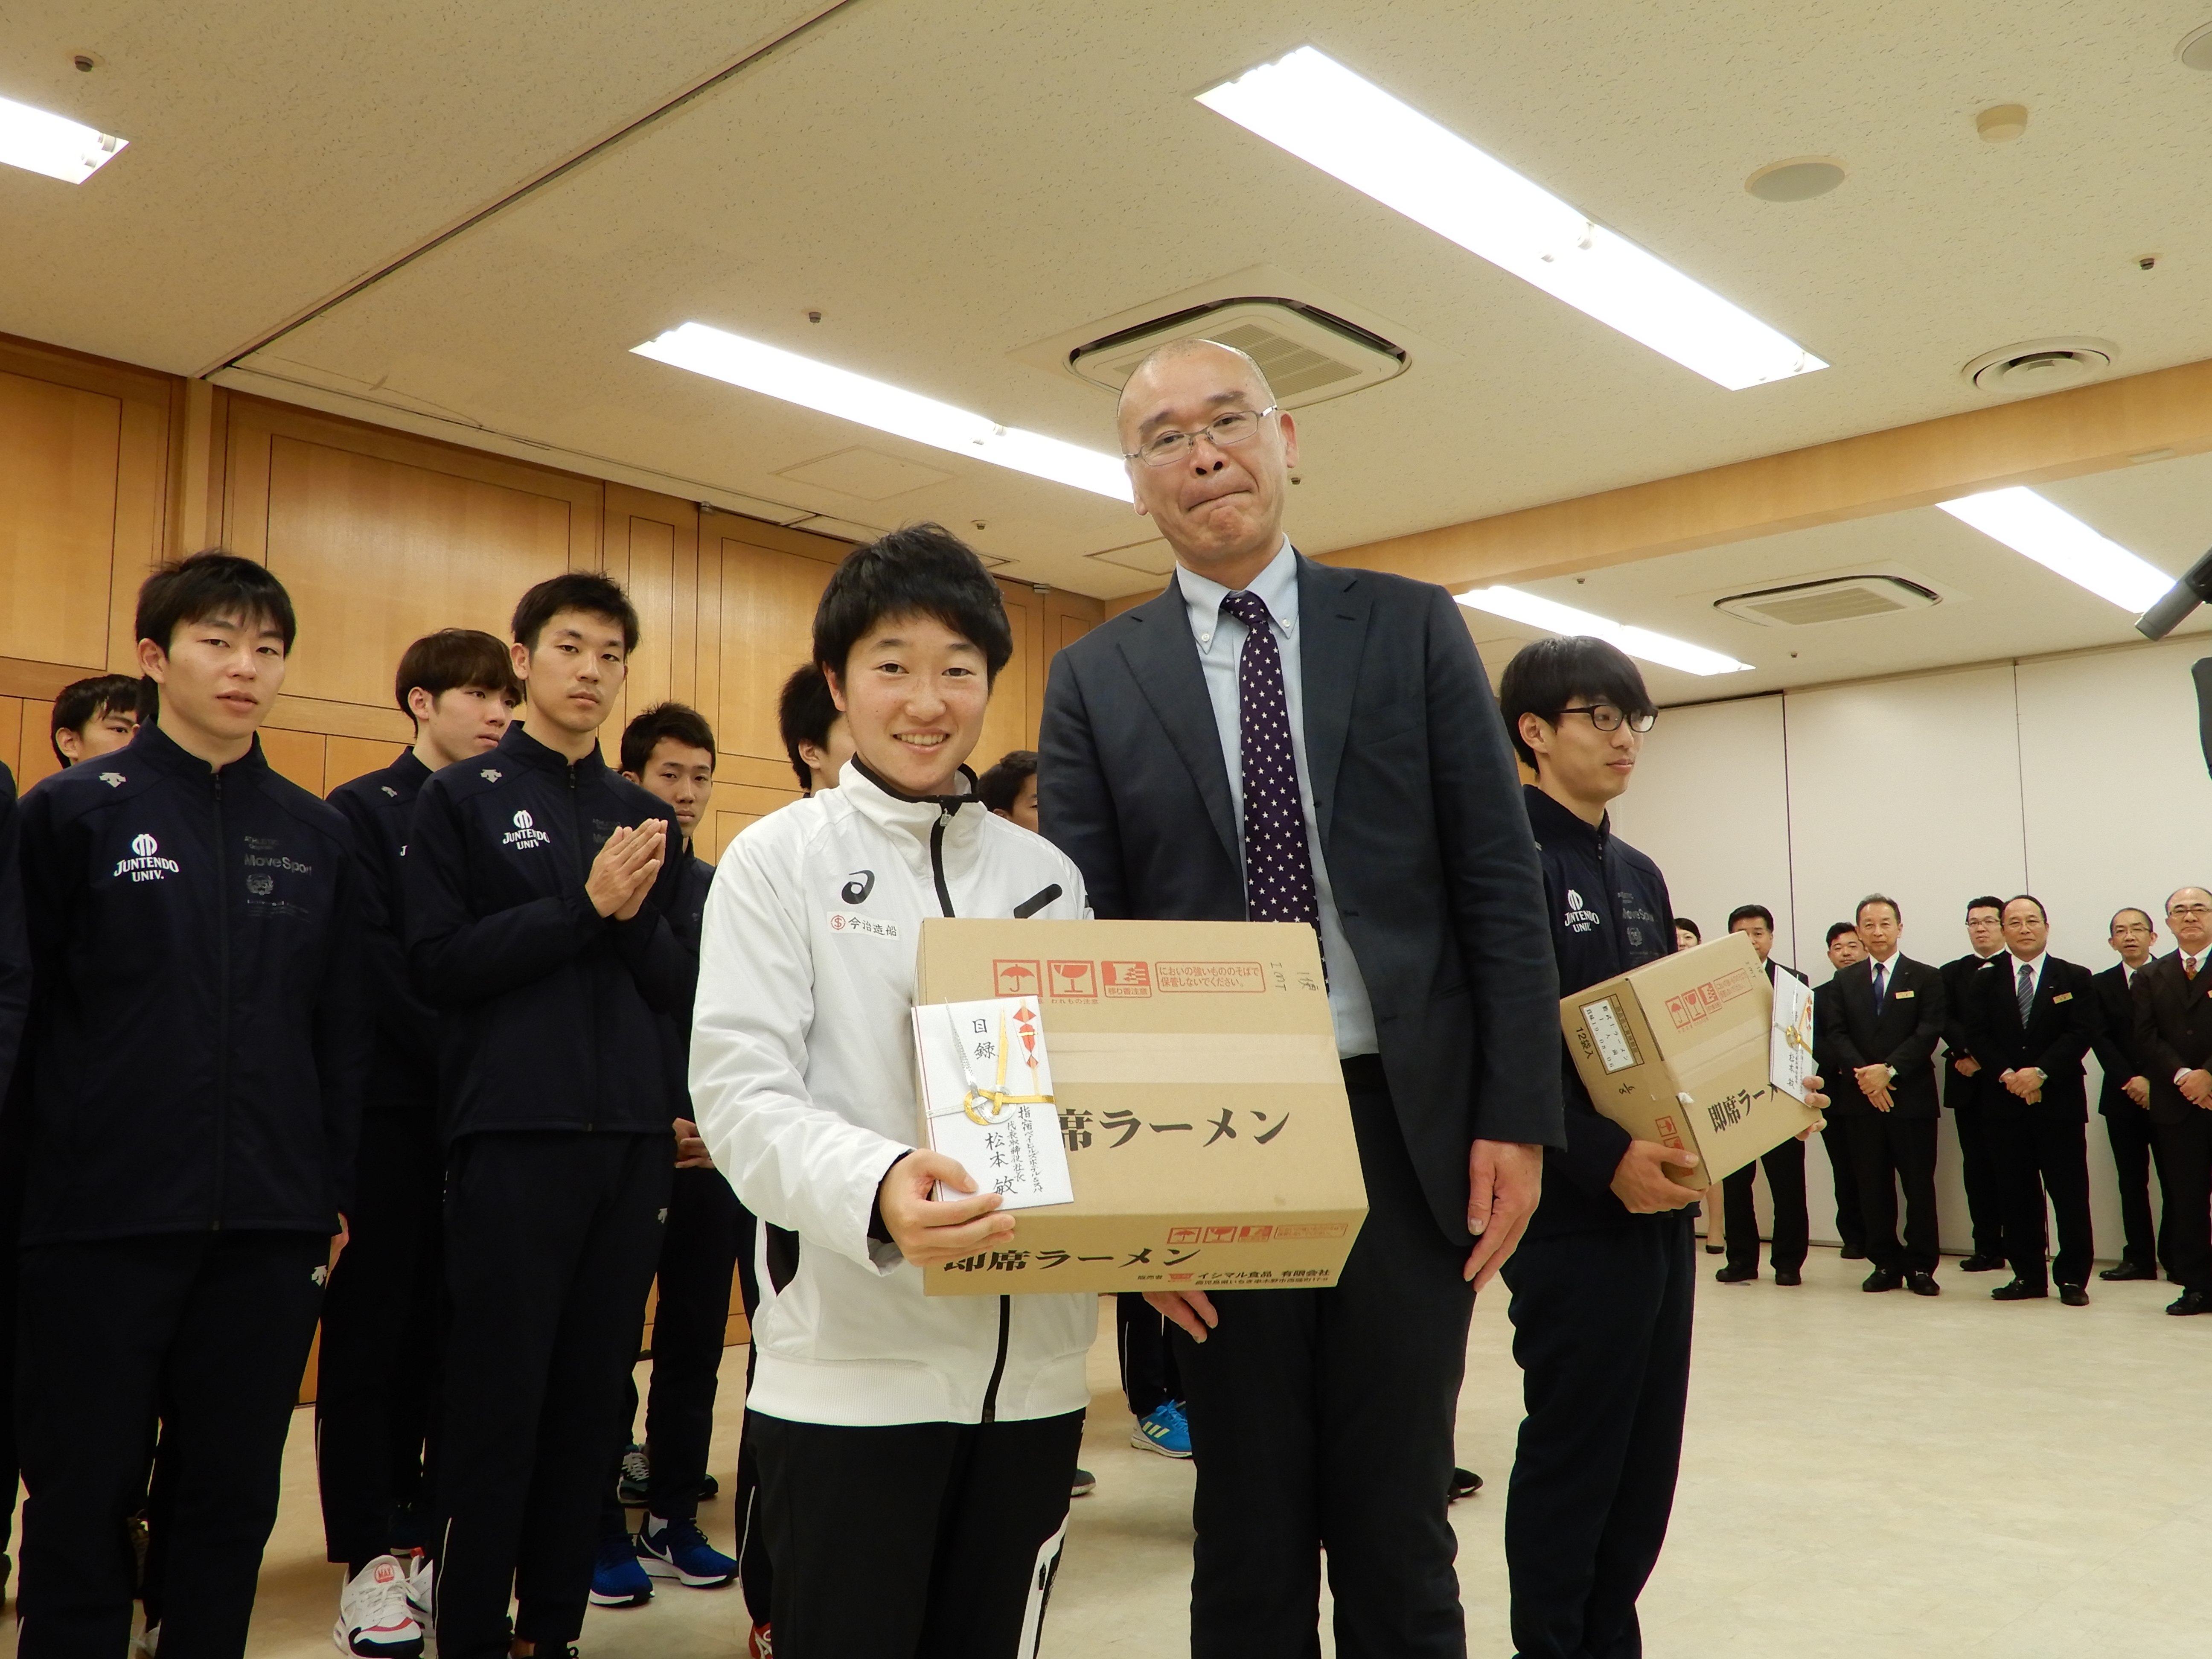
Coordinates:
[802,1076]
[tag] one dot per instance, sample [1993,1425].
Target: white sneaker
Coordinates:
[375,1620]
[419,1586]
[146,1642]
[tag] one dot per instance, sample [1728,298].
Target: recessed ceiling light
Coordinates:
[765,368]
[2195,51]
[1321,111]
[2000,123]
[52,144]
[1799,179]
[1516,604]
[2047,532]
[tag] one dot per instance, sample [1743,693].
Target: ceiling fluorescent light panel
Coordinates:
[1517,604]
[1319,111]
[2030,524]
[39,142]
[776,373]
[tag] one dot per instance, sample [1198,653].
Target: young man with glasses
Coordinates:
[1603,1285]
[2173,1042]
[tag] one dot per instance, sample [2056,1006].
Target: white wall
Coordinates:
[2078,779]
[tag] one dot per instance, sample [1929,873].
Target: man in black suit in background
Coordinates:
[2125,1100]
[1273,739]
[1875,1038]
[1784,1165]
[1844,950]
[1971,1093]
[2028,1018]
[2174,1043]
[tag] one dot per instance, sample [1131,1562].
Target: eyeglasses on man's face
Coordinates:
[1607,717]
[2189,910]
[1224,431]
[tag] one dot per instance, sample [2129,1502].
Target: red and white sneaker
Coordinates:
[374,1620]
[760,1644]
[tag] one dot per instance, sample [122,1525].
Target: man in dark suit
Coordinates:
[2028,1018]
[1844,950]
[1971,1093]
[2174,1043]
[1875,1038]
[2125,1100]
[1784,1165]
[1277,740]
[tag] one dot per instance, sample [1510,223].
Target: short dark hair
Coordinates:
[83,701]
[1547,675]
[804,711]
[672,722]
[1683,924]
[2132,910]
[2031,899]
[1987,902]
[586,590]
[191,590]
[921,570]
[1837,929]
[1002,786]
[1859,909]
[455,660]
[1751,913]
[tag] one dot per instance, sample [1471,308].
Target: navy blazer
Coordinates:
[2061,1021]
[1848,1034]
[1419,808]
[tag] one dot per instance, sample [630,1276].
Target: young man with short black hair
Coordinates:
[537,885]
[194,1103]
[376,1401]
[1784,1165]
[915,1453]
[669,752]
[95,717]
[814,731]
[1010,788]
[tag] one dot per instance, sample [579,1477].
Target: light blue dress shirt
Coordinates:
[1220,641]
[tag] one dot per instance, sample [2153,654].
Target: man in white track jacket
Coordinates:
[915,1454]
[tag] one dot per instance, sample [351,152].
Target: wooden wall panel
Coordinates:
[768,596]
[345,759]
[295,755]
[34,757]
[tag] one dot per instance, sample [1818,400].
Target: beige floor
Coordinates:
[1863,1476]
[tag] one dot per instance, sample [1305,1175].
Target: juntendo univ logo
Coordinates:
[145,863]
[525,833]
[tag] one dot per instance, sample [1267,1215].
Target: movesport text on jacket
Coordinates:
[1610,913]
[547,1009]
[801,1070]
[200,1033]
[403,1076]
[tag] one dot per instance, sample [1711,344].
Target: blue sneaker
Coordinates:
[618,1579]
[679,1550]
[1164,1430]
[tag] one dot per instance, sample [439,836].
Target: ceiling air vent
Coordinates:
[1308,354]
[2033,365]
[1840,598]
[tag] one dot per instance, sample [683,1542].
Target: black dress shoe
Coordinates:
[1853,1253]
[2189,1302]
[2019,1290]
[1732,1274]
[1979,1263]
[1715,1250]
[2129,1270]
[1922,1284]
[1465,1483]
[1881,1280]
[2074,1296]
[1788,1276]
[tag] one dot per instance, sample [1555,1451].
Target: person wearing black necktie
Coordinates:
[1875,1038]
[2028,1018]
[1784,1165]
[2125,1100]
[2173,1044]
[1277,740]
[1971,1093]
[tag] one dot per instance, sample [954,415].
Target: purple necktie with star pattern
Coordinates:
[1279,878]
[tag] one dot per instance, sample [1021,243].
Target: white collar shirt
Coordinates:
[2015,962]
[1220,641]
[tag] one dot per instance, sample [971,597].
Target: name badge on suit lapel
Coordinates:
[1901,996]
[2064,996]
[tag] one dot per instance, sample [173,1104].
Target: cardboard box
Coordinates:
[1195,1074]
[1680,1050]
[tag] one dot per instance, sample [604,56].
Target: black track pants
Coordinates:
[551,1241]
[1149,1377]
[214,1329]
[1785,1184]
[376,1395]
[920,1541]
